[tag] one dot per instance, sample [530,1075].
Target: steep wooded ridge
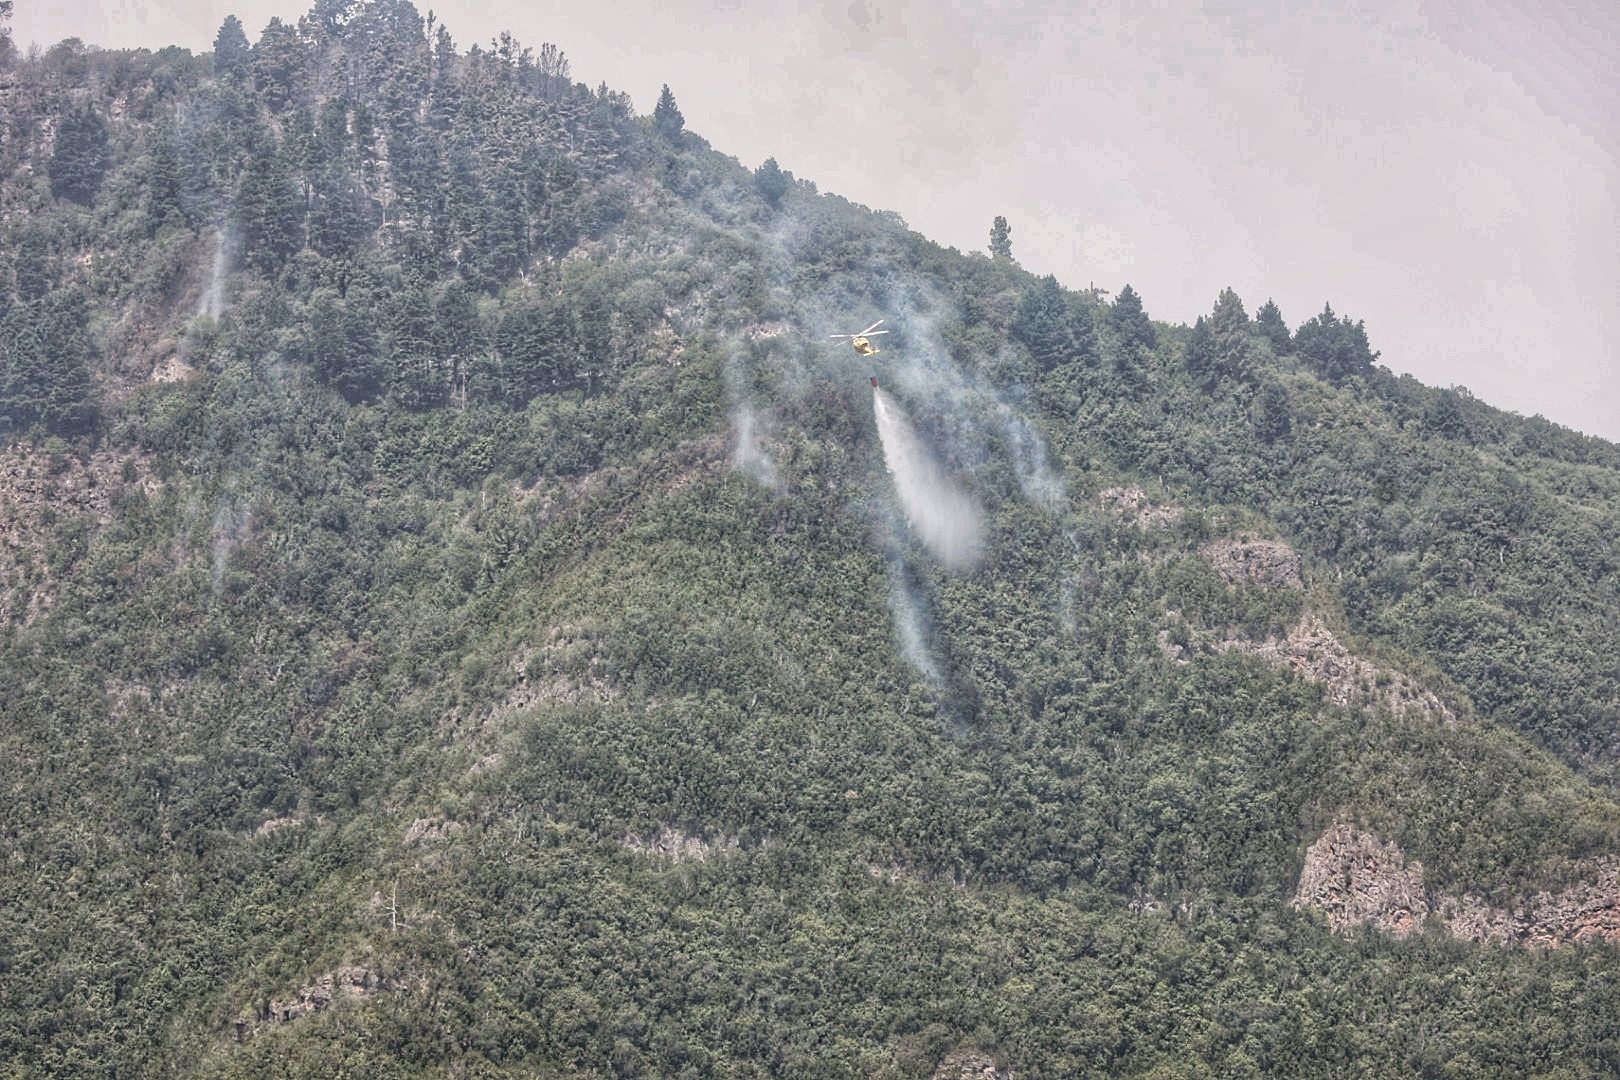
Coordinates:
[455,616]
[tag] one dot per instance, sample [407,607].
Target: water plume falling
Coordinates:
[230,528]
[910,630]
[212,302]
[946,518]
[749,454]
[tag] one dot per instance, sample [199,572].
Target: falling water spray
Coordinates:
[946,518]
[212,302]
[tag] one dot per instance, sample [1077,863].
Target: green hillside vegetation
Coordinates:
[429,493]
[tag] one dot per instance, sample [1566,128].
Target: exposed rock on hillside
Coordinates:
[432,828]
[970,1063]
[679,846]
[171,368]
[349,982]
[1251,561]
[38,488]
[566,670]
[895,873]
[1353,877]
[271,826]
[1132,505]
[1356,878]
[1312,652]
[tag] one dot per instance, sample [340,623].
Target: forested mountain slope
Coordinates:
[458,613]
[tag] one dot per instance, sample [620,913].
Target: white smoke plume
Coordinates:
[910,631]
[749,429]
[947,519]
[749,454]
[212,301]
[1027,451]
[230,528]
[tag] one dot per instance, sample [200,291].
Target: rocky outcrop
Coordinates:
[429,829]
[566,670]
[271,826]
[36,489]
[1247,560]
[895,873]
[970,1063]
[677,846]
[1312,652]
[1132,505]
[763,331]
[351,982]
[1355,878]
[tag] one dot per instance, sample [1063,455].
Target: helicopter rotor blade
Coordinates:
[874,326]
[874,333]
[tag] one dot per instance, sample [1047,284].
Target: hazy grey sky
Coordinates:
[1449,173]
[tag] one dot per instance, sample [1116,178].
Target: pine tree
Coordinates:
[771,182]
[539,352]
[32,262]
[1041,323]
[418,376]
[337,222]
[1083,331]
[1055,328]
[1272,420]
[231,49]
[457,333]
[1232,354]
[1130,322]
[343,340]
[165,201]
[269,211]
[44,363]
[79,159]
[1334,348]
[497,247]
[1269,321]
[667,118]
[1199,355]
[275,62]
[332,130]
[1445,414]
[1000,239]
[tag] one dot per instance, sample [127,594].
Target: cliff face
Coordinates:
[1354,878]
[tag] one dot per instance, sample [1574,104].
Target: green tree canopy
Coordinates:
[1272,420]
[231,48]
[1219,350]
[6,47]
[1334,348]
[269,211]
[771,182]
[79,160]
[667,118]
[1269,321]
[1199,354]
[1000,238]
[1130,322]
[277,59]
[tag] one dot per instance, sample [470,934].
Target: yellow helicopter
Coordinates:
[863,347]
[863,344]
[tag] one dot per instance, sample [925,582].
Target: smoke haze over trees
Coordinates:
[461,613]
